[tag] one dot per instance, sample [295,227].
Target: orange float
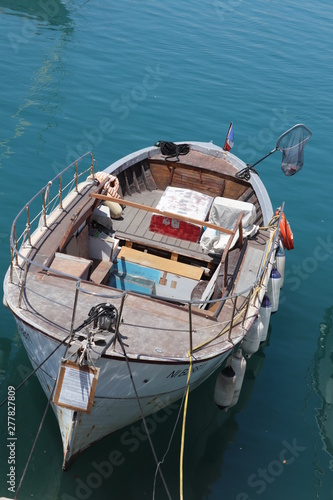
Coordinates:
[286,233]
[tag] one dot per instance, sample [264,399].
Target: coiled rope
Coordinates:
[245,173]
[172,150]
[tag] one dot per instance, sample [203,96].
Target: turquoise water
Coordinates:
[117,76]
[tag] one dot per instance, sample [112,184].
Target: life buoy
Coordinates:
[286,233]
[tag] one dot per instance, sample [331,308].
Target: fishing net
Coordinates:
[292,144]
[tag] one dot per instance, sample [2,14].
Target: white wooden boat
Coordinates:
[144,299]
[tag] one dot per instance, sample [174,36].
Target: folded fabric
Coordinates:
[225,212]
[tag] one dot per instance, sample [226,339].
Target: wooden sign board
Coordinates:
[76,386]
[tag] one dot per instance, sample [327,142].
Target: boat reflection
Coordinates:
[36,18]
[322,382]
[210,437]
[5,350]
[29,408]
[52,13]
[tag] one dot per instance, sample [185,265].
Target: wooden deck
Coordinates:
[152,328]
[133,227]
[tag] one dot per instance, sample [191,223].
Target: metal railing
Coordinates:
[49,203]
[251,292]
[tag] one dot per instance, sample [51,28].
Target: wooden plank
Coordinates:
[156,237]
[101,271]
[250,268]
[68,221]
[246,195]
[161,175]
[160,212]
[137,224]
[143,227]
[186,176]
[198,180]
[155,262]
[197,159]
[69,264]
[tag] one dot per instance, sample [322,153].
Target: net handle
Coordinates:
[245,173]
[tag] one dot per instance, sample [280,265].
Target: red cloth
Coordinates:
[183,202]
[175,228]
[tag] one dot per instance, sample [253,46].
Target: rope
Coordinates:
[172,150]
[43,417]
[222,332]
[85,323]
[271,223]
[34,444]
[183,430]
[35,370]
[254,292]
[143,418]
[171,438]
[246,173]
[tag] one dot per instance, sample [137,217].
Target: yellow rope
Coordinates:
[183,429]
[222,332]
[227,327]
[271,223]
[269,246]
[254,291]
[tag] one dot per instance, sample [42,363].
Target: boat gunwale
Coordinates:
[169,303]
[166,300]
[172,361]
[124,163]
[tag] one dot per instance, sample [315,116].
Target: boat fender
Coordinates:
[273,289]
[225,387]
[115,209]
[252,339]
[286,233]
[281,261]
[238,364]
[265,316]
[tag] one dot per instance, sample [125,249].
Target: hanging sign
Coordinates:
[76,386]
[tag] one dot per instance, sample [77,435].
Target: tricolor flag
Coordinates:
[229,142]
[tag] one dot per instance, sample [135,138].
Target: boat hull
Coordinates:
[116,406]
